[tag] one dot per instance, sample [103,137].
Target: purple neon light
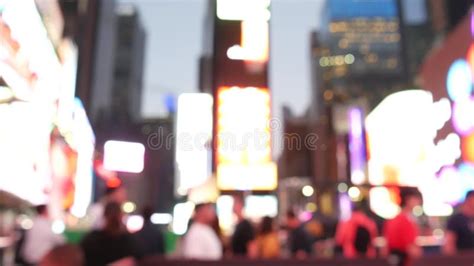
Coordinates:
[472,24]
[356,145]
[345,206]
[462,118]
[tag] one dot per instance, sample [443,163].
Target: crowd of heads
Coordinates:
[254,236]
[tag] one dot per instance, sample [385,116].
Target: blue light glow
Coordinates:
[459,80]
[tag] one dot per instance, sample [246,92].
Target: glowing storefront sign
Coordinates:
[243,152]
[193,140]
[123,156]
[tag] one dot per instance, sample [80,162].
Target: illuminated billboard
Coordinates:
[405,150]
[124,156]
[36,65]
[428,136]
[243,154]
[193,141]
[24,152]
[401,139]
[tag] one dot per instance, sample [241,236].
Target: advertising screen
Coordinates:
[243,155]
[406,149]
[124,156]
[193,141]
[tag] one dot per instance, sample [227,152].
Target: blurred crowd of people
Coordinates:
[110,242]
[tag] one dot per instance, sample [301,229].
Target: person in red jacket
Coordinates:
[356,235]
[402,231]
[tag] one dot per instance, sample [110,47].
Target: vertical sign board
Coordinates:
[244,159]
[242,112]
[193,135]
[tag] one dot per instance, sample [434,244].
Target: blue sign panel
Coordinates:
[350,9]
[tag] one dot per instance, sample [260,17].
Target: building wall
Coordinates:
[128,65]
[104,55]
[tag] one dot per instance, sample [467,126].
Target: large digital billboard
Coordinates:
[403,149]
[244,158]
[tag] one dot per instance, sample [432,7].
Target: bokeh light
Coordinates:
[470,58]
[450,182]
[58,227]
[472,24]
[459,80]
[307,191]
[129,207]
[354,193]
[467,143]
[438,233]
[134,223]
[463,121]
[342,188]
[418,211]
[311,207]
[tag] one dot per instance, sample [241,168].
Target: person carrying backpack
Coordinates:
[356,235]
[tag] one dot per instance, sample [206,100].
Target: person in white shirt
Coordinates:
[201,241]
[40,239]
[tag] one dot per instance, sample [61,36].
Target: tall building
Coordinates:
[115,97]
[129,59]
[363,37]
[111,43]
[359,50]
[103,60]
[234,69]
[418,33]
